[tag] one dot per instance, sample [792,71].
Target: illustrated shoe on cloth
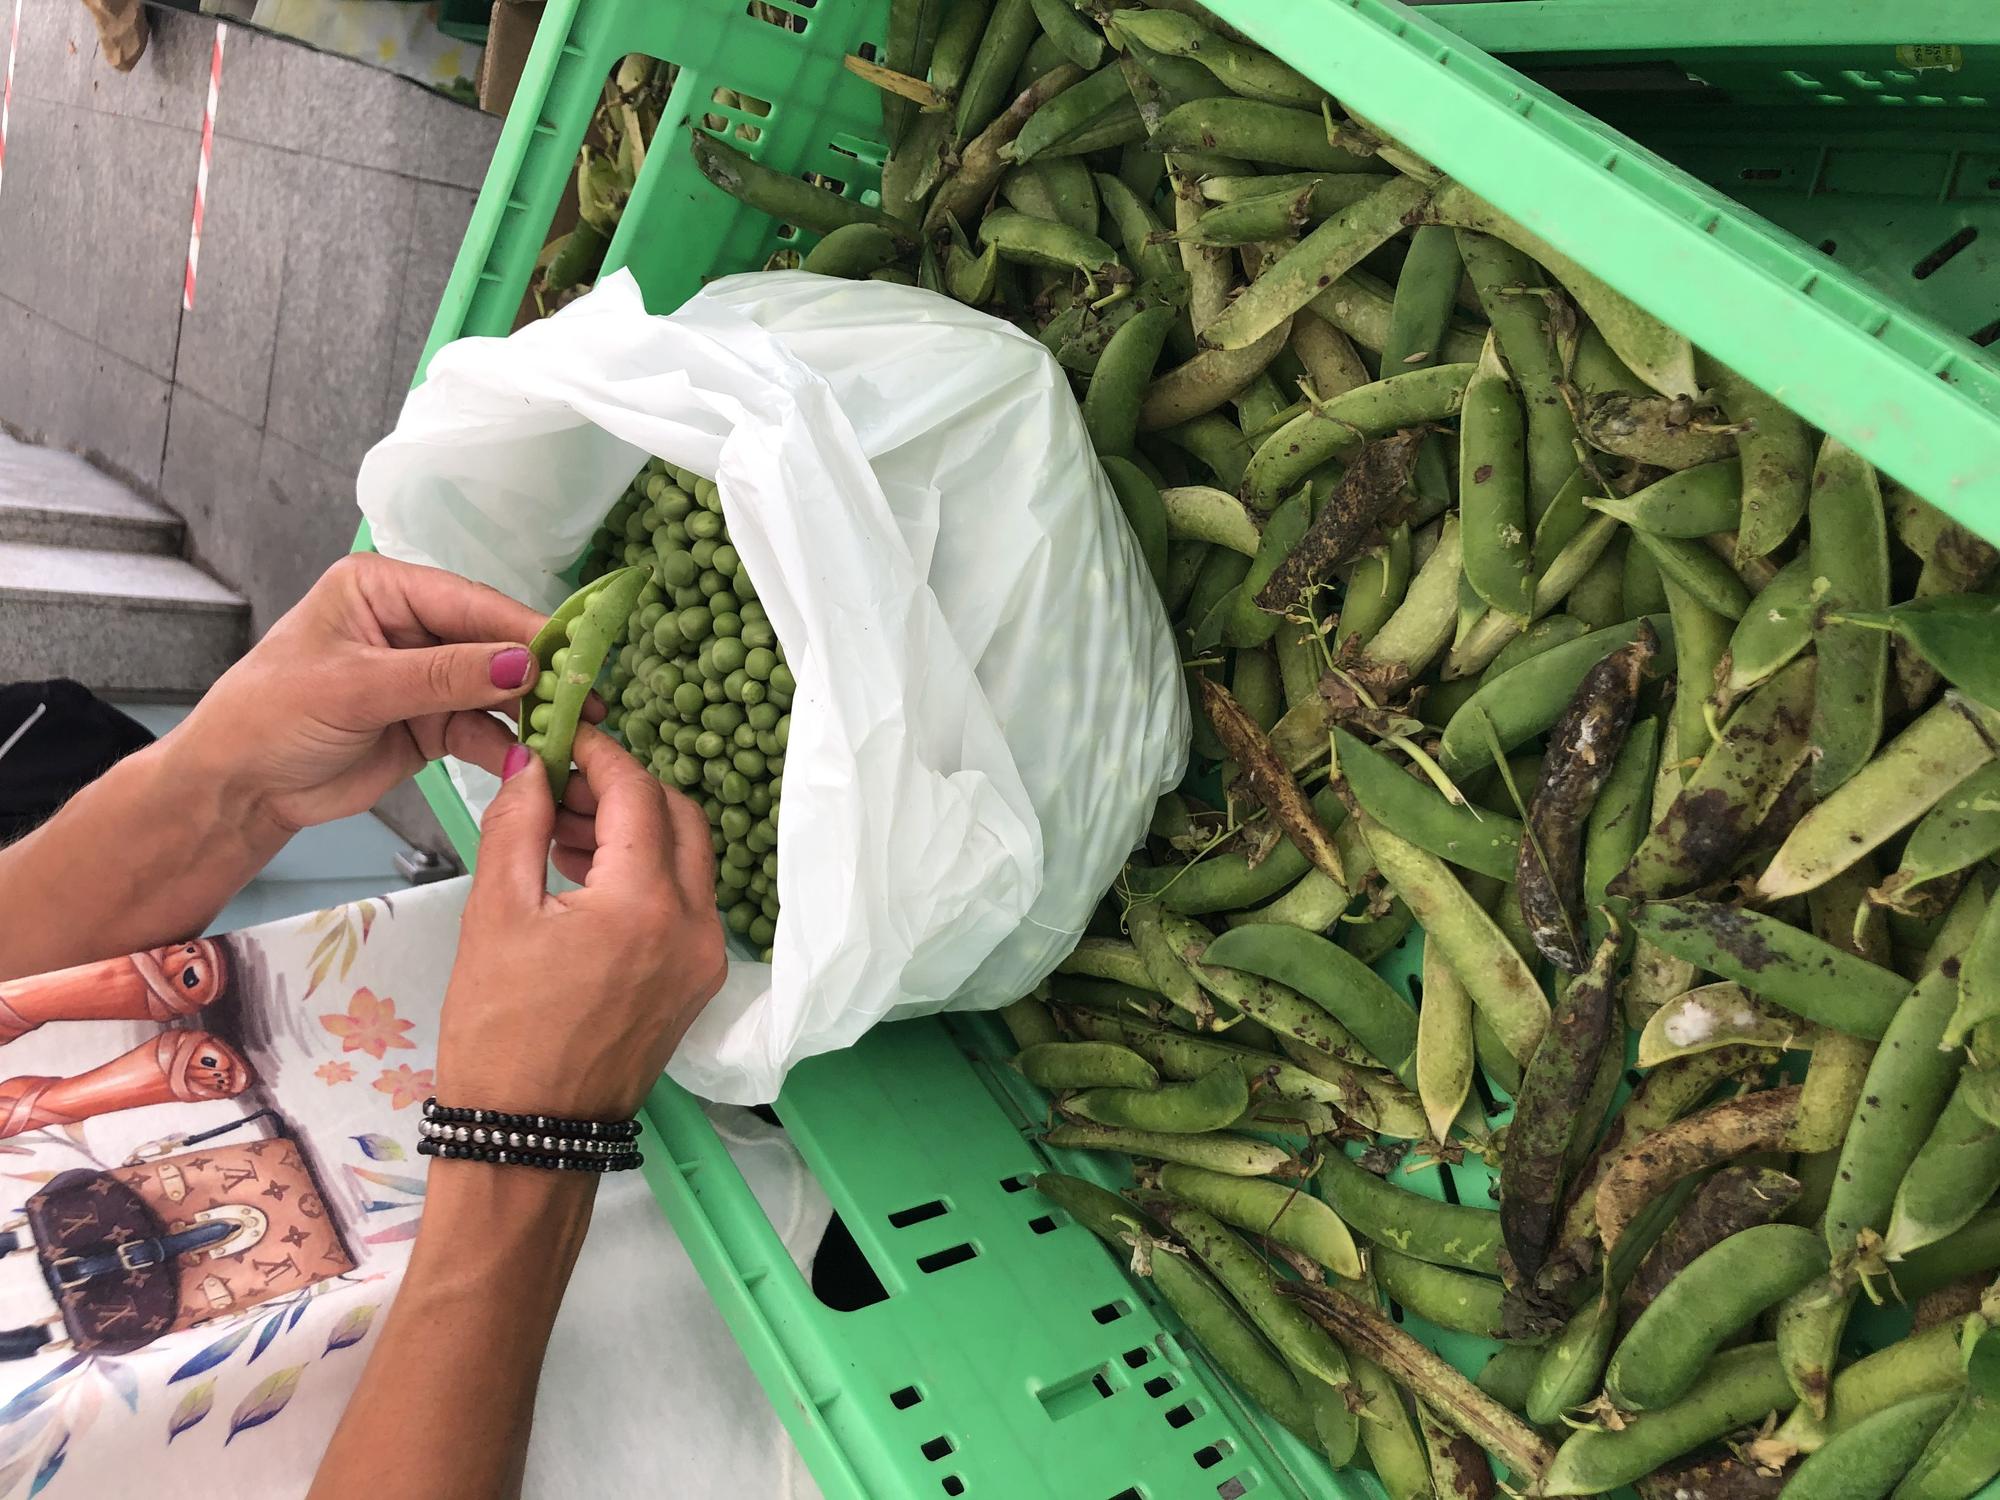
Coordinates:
[157,984]
[176,1065]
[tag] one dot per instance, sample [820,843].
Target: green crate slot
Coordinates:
[1012,1355]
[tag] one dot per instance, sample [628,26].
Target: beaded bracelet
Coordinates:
[545,1141]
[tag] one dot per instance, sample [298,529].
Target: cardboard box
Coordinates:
[508,39]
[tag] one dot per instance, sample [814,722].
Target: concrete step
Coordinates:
[55,498]
[124,624]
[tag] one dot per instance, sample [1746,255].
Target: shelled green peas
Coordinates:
[699,687]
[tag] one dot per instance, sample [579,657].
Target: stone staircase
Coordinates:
[93,586]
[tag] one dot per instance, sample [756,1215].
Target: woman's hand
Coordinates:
[382,667]
[571,1004]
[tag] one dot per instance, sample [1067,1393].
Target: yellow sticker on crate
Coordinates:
[1931,57]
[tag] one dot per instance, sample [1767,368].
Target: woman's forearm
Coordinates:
[462,1350]
[144,856]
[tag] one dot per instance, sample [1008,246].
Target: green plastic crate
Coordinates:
[1011,1356]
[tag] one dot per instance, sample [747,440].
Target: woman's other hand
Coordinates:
[382,667]
[571,1004]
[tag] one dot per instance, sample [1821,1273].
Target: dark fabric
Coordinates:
[78,1213]
[76,740]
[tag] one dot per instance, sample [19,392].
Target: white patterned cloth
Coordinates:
[333,1019]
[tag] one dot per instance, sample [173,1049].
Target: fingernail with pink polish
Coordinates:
[513,667]
[515,762]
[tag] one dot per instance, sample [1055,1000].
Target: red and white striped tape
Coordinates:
[7,86]
[201,171]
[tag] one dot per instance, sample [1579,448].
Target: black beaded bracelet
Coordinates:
[546,1141]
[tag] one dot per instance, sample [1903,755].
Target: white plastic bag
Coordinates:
[989,699]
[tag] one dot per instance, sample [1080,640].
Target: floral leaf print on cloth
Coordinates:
[196,1404]
[351,1329]
[378,1147]
[404,1086]
[342,930]
[335,1072]
[369,1025]
[213,1355]
[268,1399]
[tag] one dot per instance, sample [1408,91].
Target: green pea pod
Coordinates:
[1618,823]
[577,259]
[1955,835]
[1644,591]
[1249,625]
[1238,1155]
[1010,31]
[1278,214]
[789,199]
[1526,701]
[592,631]
[1706,577]
[1722,1205]
[1944,746]
[1778,963]
[1346,989]
[1484,841]
[1978,981]
[1107,958]
[1691,503]
[1661,356]
[1713,1299]
[1194,1108]
[1777,462]
[1954,1173]
[1455,1300]
[1909,1080]
[1139,498]
[1198,513]
[1740,1386]
[1041,242]
[1339,428]
[1773,631]
[1245,70]
[1501,984]
[1445,1234]
[1375,585]
[1953,632]
[1492,490]
[1304,1344]
[1511,289]
[852,251]
[1866,1461]
[1446,1051]
[1057,189]
[1287,285]
[1572,1363]
[1963,1455]
[1135,226]
[1726,798]
[1217,443]
[1079,1065]
[1848,543]
[1284,1214]
[1221,882]
[1919,1364]
[1420,626]
[1256,131]
[1205,381]
[1111,404]
[1164,971]
[1029,1023]
[1075,108]
[1228,1338]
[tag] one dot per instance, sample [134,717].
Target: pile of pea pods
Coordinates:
[1511,617]
[698,686]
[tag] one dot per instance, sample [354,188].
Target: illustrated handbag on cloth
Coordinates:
[169,1242]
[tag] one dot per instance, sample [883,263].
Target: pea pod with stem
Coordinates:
[1773,631]
[786,198]
[1708,580]
[1280,1212]
[1011,29]
[1776,457]
[1254,130]
[1336,429]
[1288,284]
[1955,835]
[1729,1201]
[1445,1049]
[1246,70]
[1739,1387]
[1219,1151]
[1057,123]
[1512,291]
[1111,404]
[1492,489]
[1866,1460]
[1954,1173]
[1454,1300]
[1945,744]
[981,165]
[1720,1292]
[1420,626]
[1346,989]
[1483,644]
[1484,841]
[1692,502]
[1918,1364]
[1963,1455]
[1374,588]
[1082,1065]
[1978,1002]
